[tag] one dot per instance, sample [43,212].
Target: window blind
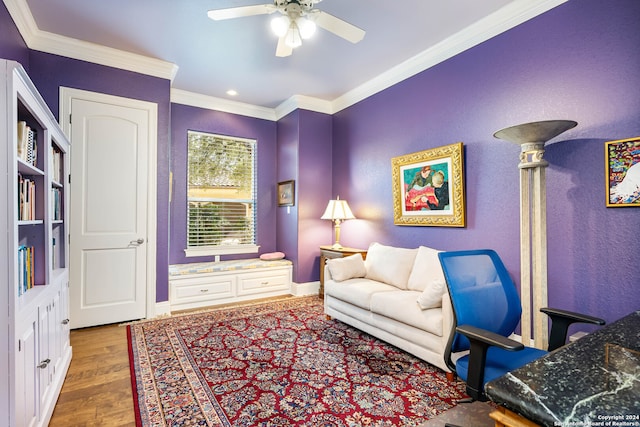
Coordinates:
[221,208]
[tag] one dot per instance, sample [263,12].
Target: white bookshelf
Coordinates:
[34,259]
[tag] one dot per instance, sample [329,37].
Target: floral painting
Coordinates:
[623,172]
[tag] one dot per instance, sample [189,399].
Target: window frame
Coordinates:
[217,250]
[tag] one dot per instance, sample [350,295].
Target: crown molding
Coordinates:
[510,16]
[179,96]
[303,102]
[296,102]
[44,41]
[504,19]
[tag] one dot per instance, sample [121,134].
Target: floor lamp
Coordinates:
[533,221]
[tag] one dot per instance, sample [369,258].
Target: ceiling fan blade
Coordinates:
[283,49]
[239,12]
[338,27]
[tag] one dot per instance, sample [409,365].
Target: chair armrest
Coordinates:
[480,340]
[576,317]
[560,322]
[489,338]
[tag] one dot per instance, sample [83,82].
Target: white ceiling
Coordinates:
[175,39]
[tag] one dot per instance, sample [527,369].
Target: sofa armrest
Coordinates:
[327,273]
[447,319]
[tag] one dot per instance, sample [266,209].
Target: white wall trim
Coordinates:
[184,97]
[498,22]
[44,41]
[304,103]
[162,309]
[510,16]
[304,289]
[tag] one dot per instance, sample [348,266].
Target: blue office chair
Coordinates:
[487,309]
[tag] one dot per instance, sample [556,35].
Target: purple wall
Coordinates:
[304,154]
[288,153]
[12,46]
[185,118]
[578,61]
[315,191]
[49,72]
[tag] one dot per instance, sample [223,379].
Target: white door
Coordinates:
[111,140]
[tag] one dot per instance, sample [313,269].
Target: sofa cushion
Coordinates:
[390,265]
[356,291]
[426,269]
[402,306]
[349,267]
[431,297]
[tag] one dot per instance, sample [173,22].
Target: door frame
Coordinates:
[66,96]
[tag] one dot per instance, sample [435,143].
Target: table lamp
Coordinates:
[337,211]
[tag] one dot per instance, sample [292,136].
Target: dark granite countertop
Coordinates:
[594,381]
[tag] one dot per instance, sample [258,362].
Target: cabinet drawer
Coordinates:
[201,289]
[265,281]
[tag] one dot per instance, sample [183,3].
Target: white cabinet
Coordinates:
[34,164]
[267,281]
[26,381]
[245,280]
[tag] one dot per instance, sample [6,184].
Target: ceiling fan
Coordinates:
[297,20]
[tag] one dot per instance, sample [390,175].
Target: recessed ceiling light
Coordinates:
[232,92]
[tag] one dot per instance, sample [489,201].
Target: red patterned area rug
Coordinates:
[278,363]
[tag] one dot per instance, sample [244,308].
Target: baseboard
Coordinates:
[162,309]
[297,289]
[304,289]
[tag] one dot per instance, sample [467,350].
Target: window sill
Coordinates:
[221,250]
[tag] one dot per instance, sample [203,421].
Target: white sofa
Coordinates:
[397,295]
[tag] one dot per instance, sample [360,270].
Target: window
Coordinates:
[221,195]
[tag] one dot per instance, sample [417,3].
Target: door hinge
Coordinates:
[69,178]
[69,118]
[19,345]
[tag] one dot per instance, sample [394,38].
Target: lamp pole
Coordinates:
[533,222]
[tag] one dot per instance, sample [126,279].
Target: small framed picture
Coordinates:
[287,193]
[622,159]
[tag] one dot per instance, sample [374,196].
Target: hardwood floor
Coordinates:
[97,389]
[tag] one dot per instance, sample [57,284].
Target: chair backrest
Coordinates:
[482,293]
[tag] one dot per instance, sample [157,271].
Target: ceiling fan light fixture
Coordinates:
[280,25]
[293,39]
[306,26]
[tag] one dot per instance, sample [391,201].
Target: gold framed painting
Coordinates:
[622,163]
[428,187]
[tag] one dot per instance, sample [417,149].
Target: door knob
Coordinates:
[137,242]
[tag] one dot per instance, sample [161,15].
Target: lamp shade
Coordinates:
[280,25]
[337,209]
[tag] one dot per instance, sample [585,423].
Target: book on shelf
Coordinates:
[56,156]
[54,254]
[27,146]
[26,266]
[26,199]
[56,204]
